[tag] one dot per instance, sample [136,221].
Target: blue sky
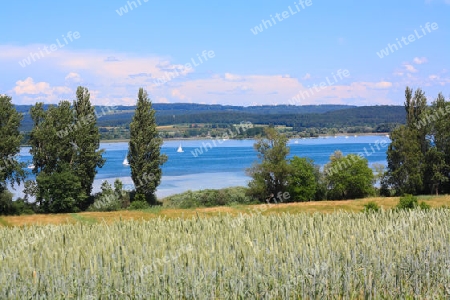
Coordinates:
[312,52]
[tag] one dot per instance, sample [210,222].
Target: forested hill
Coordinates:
[294,116]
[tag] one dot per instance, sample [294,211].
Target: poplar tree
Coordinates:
[86,140]
[407,151]
[144,153]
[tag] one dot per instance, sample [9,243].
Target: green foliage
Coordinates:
[86,140]
[270,174]
[348,177]
[10,168]
[208,198]
[405,162]
[371,207]
[110,199]
[419,155]
[302,181]
[145,149]
[138,205]
[60,191]
[64,144]
[424,206]
[407,202]
[6,203]
[139,198]
[17,207]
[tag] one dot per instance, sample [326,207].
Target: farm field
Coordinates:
[293,208]
[273,255]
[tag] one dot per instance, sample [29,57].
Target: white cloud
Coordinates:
[114,78]
[32,92]
[232,77]
[410,68]
[29,87]
[383,85]
[420,60]
[73,77]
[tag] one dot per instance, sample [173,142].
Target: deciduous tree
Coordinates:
[302,179]
[10,168]
[270,174]
[348,177]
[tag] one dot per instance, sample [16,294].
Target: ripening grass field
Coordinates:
[386,255]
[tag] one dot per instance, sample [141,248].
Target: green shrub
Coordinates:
[110,199]
[407,202]
[371,207]
[137,205]
[424,205]
[208,198]
[17,207]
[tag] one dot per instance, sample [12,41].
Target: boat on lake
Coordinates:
[125,162]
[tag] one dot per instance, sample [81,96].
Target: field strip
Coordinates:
[293,208]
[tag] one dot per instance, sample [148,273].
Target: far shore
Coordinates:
[211,138]
[237,139]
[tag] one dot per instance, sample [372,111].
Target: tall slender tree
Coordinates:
[86,140]
[144,153]
[418,157]
[10,137]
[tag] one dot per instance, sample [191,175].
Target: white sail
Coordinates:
[125,162]
[180,149]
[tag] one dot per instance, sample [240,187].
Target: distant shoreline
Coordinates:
[293,138]
[210,138]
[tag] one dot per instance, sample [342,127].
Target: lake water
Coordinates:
[223,163]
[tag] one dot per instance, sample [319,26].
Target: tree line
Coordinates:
[418,161]
[278,179]
[65,144]
[419,155]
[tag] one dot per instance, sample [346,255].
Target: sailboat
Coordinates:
[31,166]
[125,161]
[180,149]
